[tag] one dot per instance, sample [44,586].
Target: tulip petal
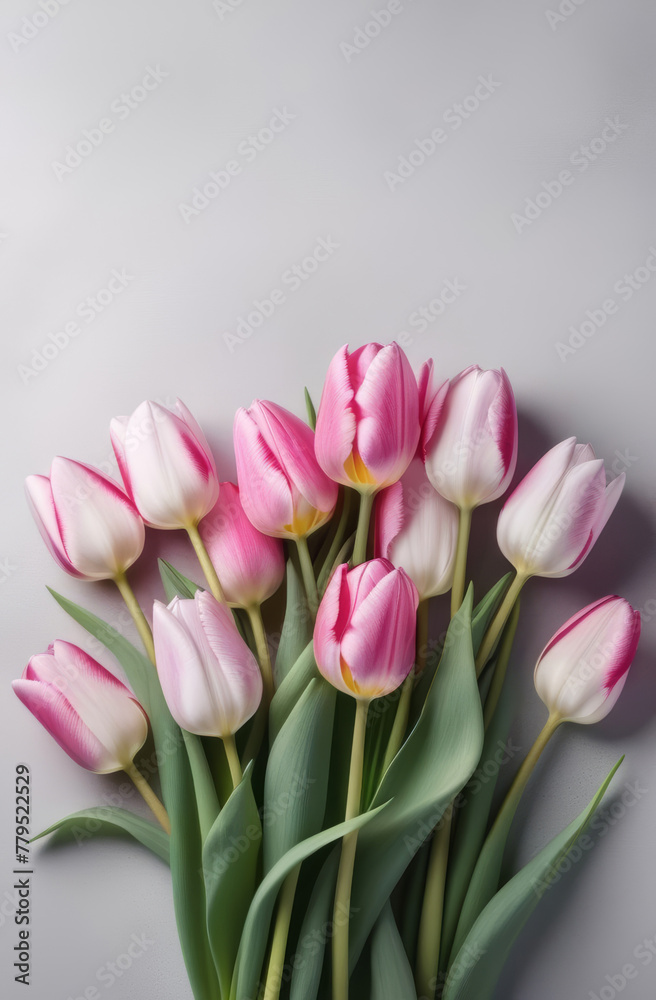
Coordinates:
[332,620]
[117,432]
[55,713]
[377,646]
[292,440]
[335,430]
[387,409]
[172,475]
[101,530]
[42,506]
[250,565]
[389,518]
[265,490]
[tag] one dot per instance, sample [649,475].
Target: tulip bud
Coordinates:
[368,420]
[250,565]
[364,638]
[552,519]
[166,465]
[92,529]
[417,530]
[582,670]
[91,714]
[281,487]
[471,456]
[210,678]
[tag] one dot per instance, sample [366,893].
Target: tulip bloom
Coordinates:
[91,714]
[472,453]
[250,565]
[364,639]
[210,678]
[368,420]
[166,465]
[92,529]
[281,487]
[552,519]
[583,668]
[417,530]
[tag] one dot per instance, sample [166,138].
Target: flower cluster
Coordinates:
[367,509]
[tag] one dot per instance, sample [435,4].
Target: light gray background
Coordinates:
[554,87]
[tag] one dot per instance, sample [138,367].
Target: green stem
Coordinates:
[280,934]
[255,617]
[496,625]
[207,800]
[148,796]
[362,534]
[138,616]
[403,707]
[505,649]
[307,571]
[430,925]
[460,571]
[338,540]
[233,760]
[511,801]
[346,862]
[206,563]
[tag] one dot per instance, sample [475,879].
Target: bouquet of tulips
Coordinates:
[324,815]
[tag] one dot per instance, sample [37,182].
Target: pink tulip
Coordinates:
[417,530]
[368,420]
[282,488]
[92,529]
[91,714]
[210,678]
[250,565]
[472,453]
[552,519]
[582,670]
[166,465]
[364,638]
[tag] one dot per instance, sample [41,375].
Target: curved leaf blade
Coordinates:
[109,820]
[391,975]
[478,963]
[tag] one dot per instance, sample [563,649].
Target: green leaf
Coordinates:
[178,795]
[478,964]
[437,759]
[230,880]
[481,618]
[311,947]
[256,929]
[296,779]
[175,584]
[311,412]
[297,626]
[391,975]
[291,689]
[99,820]
[472,811]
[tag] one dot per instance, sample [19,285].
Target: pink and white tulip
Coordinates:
[166,465]
[417,530]
[92,529]
[583,668]
[552,519]
[210,678]
[92,716]
[368,420]
[364,638]
[472,452]
[250,565]
[282,488]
